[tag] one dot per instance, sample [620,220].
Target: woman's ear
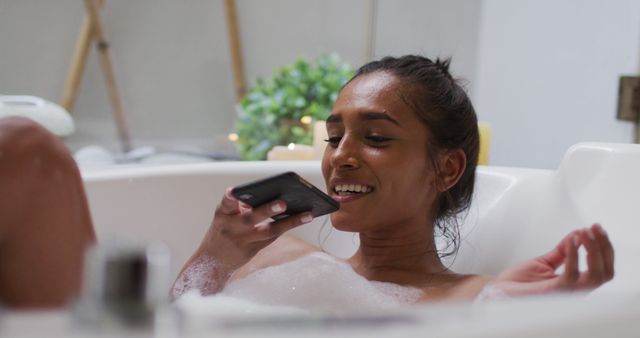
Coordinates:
[451,166]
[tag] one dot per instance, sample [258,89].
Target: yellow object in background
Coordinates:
[484,129]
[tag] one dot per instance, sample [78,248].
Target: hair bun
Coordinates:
[443,66]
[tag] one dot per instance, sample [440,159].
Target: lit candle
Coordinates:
[292,152]
[485,142]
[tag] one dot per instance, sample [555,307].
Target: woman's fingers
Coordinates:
[558,255]
[254,224]
[571,270]
[264,212]
[594,274]
[281,226]
[538,275]
[229,204]
[600,259]
[596,242]
[607,251]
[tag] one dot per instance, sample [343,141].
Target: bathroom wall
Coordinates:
[544,73]
[171,59]
[548,75]
[172,62]
[431,28]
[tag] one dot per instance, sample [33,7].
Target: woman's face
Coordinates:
[375,164]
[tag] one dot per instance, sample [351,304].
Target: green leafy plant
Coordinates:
[271,112]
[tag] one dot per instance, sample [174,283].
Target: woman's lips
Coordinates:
[348,198]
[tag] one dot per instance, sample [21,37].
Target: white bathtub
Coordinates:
[517,213]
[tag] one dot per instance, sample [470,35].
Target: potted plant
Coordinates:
[282,110]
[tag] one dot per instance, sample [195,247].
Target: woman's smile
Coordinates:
[347,190]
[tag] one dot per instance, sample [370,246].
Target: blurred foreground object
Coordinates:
[124,285]
[48,114]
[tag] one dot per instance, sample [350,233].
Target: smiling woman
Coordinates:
[377,138]
[400,160]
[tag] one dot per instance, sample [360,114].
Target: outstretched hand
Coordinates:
[538,275]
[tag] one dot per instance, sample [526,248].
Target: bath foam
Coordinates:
[319,282]
[196,306]
[195,277]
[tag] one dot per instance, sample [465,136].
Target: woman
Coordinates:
[400,160]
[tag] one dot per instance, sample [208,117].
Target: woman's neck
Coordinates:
[402,256]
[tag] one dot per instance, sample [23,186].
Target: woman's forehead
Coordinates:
[372,84]
[375,92]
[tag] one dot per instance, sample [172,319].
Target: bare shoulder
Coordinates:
[468,287]
[284,249]
[457,288]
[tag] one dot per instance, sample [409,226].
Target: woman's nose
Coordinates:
[345,155]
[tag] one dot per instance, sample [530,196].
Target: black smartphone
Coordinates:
[300,195]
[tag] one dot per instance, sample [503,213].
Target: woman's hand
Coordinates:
[538,275]
[238,231]
[235,236]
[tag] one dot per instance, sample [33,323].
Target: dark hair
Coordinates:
[444,107]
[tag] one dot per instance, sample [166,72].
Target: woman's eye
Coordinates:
[378,139]
[334,140]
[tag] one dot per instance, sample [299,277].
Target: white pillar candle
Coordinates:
[292,152]
[319,137]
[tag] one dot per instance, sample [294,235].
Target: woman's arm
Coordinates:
[235,236]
